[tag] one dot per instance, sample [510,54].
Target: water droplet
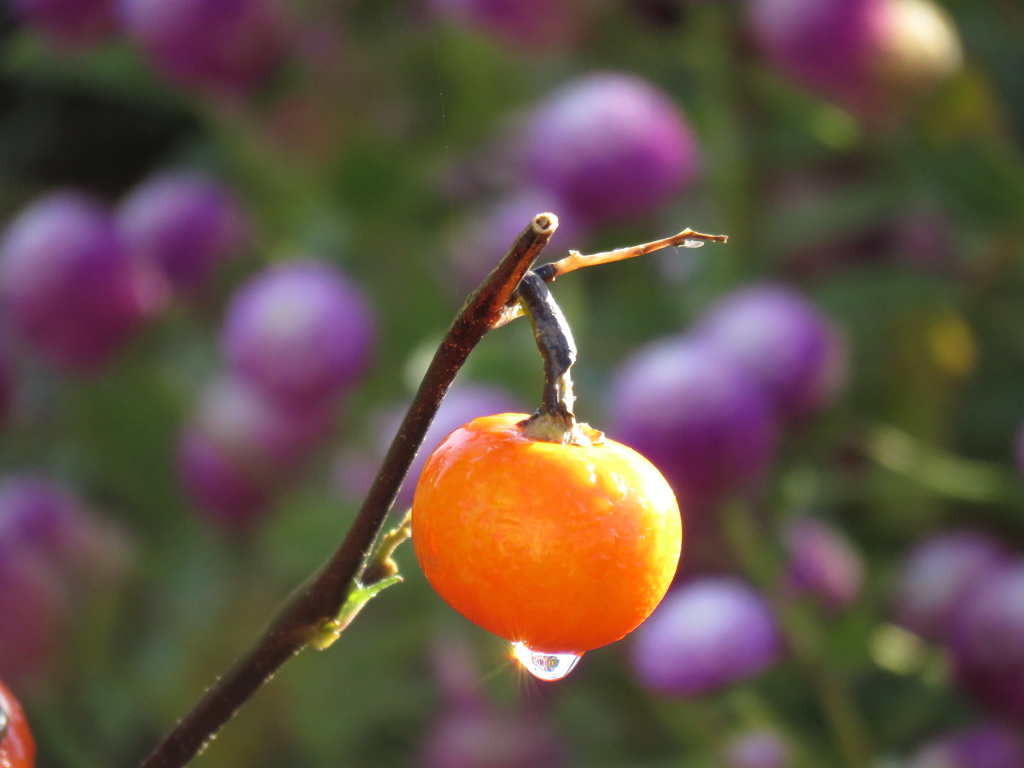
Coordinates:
[692,242]
[545,666]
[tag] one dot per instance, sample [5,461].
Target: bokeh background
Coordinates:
[235,232]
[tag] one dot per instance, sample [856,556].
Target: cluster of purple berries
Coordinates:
[225,46]
[78,281]
[52,552]
[965,590]
[296,338]
[707,407]
[872,57]
[606,148]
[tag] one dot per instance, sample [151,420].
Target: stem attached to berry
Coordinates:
[320,599]
[316,612]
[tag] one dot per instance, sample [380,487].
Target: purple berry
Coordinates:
[611,146]
[783,343]
[939,574]
[757,749]
[228,46]
[481,244]
[988,745]
[300,332]
[68,283]
[823,563]
[695,416]
[707,634]
[183,223]
[224,493]
[272,440]
[987,643]
[870,56]
[69,23]
[530,24]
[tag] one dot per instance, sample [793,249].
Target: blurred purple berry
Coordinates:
[987,643]
[270,439]
[32,605]
[938,576]
[870,56]
[611,147]
[8,387]
[480,737]
[224,492]
[480,245]
[69,23]
[988,745]
[529,24]
[707,634]
[184,223]
[783,343]
[823,563]
[464,402]
[228,46]
[757,749]
[300,332]
[695,416]
[67,282]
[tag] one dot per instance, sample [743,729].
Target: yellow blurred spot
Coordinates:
[896,650]
[835,128]
[952,345]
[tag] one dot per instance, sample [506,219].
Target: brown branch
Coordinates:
[319,600]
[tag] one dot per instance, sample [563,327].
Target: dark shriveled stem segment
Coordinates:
[320,599]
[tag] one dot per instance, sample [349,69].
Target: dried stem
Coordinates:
[318,601]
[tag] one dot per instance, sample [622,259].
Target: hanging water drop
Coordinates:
[545,666]
[692,242]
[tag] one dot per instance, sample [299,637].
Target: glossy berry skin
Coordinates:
[987,643]
[783,343]
[986,745]
[183,223]
[696,416]
[611,147]
[564,548]
[823,563]
[707,634]
[67,282]
[224,46]
[300,332]
[17,747]
[940,574]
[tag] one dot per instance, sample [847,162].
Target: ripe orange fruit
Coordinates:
[17,748]
[563,548]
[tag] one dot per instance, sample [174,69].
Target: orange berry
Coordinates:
[17,748]
[563,548]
